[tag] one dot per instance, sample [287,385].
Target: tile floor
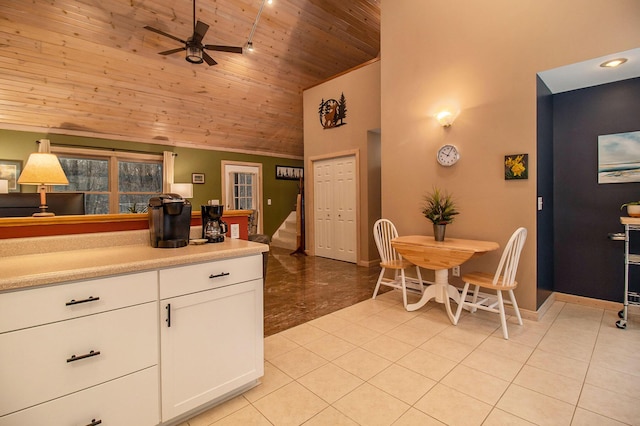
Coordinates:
[373,363]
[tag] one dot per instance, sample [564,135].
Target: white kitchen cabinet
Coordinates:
[118,402]
[211,339]
[59,350]
[88,351]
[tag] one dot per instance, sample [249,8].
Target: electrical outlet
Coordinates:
[455,271]
[235,230]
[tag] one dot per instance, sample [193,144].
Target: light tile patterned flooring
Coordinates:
[374,363]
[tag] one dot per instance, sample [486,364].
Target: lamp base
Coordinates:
[43,214]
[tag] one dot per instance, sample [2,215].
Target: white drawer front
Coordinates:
[36,306]
[205,276]
[130,400]
[38,362]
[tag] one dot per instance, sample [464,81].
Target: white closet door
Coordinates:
[344,189]
[323,202]
[335,208]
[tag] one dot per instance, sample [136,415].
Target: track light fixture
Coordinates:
[255,25]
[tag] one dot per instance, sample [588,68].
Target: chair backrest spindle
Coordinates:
[383,232]
[510,257]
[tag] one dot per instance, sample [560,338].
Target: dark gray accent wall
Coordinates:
[544,217]
[586,262]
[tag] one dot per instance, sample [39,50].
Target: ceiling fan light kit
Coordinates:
[195,50]
[194,54]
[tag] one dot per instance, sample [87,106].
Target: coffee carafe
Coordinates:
[213,228]
[169,221]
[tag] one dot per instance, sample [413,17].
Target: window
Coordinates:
[243,191]
[113,182]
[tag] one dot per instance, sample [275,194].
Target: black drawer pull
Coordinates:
[77,302]
[79,357]
[95,422]
[222,274]
[168,320]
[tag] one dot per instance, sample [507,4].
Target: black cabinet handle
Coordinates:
[95,422]
[77,302]
[222,274]
[79,357]
[168,320]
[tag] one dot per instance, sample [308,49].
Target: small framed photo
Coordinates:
[10,170]
[289,172]
[516,166]
[197,177]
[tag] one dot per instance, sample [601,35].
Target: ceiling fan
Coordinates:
[193,45]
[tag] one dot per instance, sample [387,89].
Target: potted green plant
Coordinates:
[440,209]
[633,208]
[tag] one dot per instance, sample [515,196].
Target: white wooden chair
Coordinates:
[383,232]
[503,280]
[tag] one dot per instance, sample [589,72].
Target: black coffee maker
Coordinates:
[169,221]
[213,228]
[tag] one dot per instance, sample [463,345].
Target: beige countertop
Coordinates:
[34,269]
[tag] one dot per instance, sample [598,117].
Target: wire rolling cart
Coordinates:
[631,224]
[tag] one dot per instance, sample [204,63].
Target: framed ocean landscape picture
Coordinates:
[619,158]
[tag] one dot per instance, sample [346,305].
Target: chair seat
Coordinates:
[396,264]
[485,280]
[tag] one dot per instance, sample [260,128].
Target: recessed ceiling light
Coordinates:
[612,63]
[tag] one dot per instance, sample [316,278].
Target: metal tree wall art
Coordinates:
[332,113]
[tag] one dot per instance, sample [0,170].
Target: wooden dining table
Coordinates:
[440,256]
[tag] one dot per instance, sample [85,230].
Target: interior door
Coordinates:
[242,188]
[344,209]
[323,202]
[335,208]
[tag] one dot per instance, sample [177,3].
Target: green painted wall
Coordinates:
[17,145]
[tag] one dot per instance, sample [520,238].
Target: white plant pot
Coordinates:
[633,210]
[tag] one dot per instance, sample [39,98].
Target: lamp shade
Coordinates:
[4,186]
[43,169]
[185,190]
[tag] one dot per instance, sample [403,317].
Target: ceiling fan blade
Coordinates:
[208,59]
[231,49]
[169,52]
[163,33]
[199,32]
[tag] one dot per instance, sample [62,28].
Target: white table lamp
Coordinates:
[185,190]
[4,186]
[43,169]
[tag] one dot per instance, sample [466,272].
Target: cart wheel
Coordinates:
[621,314]
[621,324]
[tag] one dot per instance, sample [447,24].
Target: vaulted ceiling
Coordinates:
[89,67]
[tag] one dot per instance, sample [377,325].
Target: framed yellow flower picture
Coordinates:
[516,166]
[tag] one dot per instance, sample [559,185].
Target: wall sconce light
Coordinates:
[446,118]
[185,190]
[4,186]
[612,63]
[43,169]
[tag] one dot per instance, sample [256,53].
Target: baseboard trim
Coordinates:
[596,303]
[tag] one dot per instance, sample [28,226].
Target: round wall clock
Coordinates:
[448,155]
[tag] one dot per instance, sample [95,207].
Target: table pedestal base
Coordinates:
[441,291]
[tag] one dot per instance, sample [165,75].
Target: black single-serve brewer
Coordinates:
[213,228]
[169,221]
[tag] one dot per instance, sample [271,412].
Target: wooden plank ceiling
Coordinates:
[89,67]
